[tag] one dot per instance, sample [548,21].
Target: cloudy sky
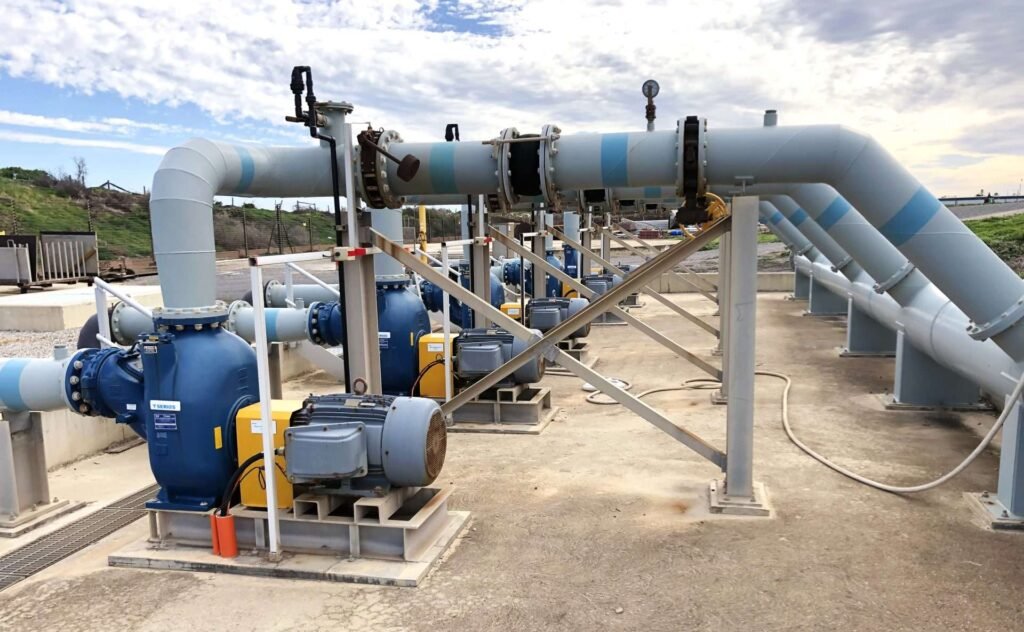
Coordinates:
[939,82]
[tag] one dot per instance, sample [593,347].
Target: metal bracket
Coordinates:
[999,324]
[842,264]
[346,253]
[898,276]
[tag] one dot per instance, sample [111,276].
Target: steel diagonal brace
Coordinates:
[648,290]
[696,282]
[546,345]
[586,292]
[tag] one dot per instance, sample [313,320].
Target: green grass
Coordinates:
[1004,235]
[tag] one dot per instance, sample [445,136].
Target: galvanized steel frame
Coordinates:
[546,345]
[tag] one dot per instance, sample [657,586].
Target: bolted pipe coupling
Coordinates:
[106,383]
[324,325]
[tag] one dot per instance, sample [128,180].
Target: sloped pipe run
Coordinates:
[932,323]
[892,200]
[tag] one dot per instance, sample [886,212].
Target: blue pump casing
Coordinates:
[107,383]
[195,383]
[572,261]
[401,319]
[552,286]
[460,315]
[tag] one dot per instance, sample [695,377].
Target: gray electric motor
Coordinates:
[365,444]
[601,283]
[481,351]
[544,314]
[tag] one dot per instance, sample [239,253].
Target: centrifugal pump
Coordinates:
[459,314]
[180,387]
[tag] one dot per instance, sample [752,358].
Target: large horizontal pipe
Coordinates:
[283,324]
[858,167]
[33,384]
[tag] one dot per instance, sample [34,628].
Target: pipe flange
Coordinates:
[231,323]
[900,274]
[842,264]
[267,287]
[999,324]
[503,153]
[805,249]
[549,134]
[373,170]
[691,156]
[313,317]
[177,318]
[115,323]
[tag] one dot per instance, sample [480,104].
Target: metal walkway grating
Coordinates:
[68,540]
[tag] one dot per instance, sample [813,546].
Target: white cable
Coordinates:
[895,489]
[704,383]
[697,383]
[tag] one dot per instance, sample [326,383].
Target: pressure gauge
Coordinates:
[650,88]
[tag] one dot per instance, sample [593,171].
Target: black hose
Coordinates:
[233,482]
[336,191]
[423,373]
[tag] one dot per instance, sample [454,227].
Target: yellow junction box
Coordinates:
[512,310]
[431,350]
[249,435]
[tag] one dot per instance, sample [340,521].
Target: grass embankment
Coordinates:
[1005,236]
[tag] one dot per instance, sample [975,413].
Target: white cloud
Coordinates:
[109,125]
[523,63]
[102,143]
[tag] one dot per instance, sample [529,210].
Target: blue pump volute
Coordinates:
[196,380]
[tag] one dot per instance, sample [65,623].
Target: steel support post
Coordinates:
[628,318]
[481,253]
[694,281]
[866,337]
[721,396]
[824,302]
[648,290]
[738,493]
[538,248]
[921,382]
[267,420]
[801,285]
[362,348]
[606,238]
[586,236]
[24,486]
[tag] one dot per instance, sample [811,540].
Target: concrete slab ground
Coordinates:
[603,512]
[55,310]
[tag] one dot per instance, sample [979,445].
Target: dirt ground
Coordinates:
[603,512]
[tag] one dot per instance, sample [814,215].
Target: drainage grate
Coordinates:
[68,540]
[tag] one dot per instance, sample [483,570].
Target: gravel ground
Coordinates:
[35,344]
